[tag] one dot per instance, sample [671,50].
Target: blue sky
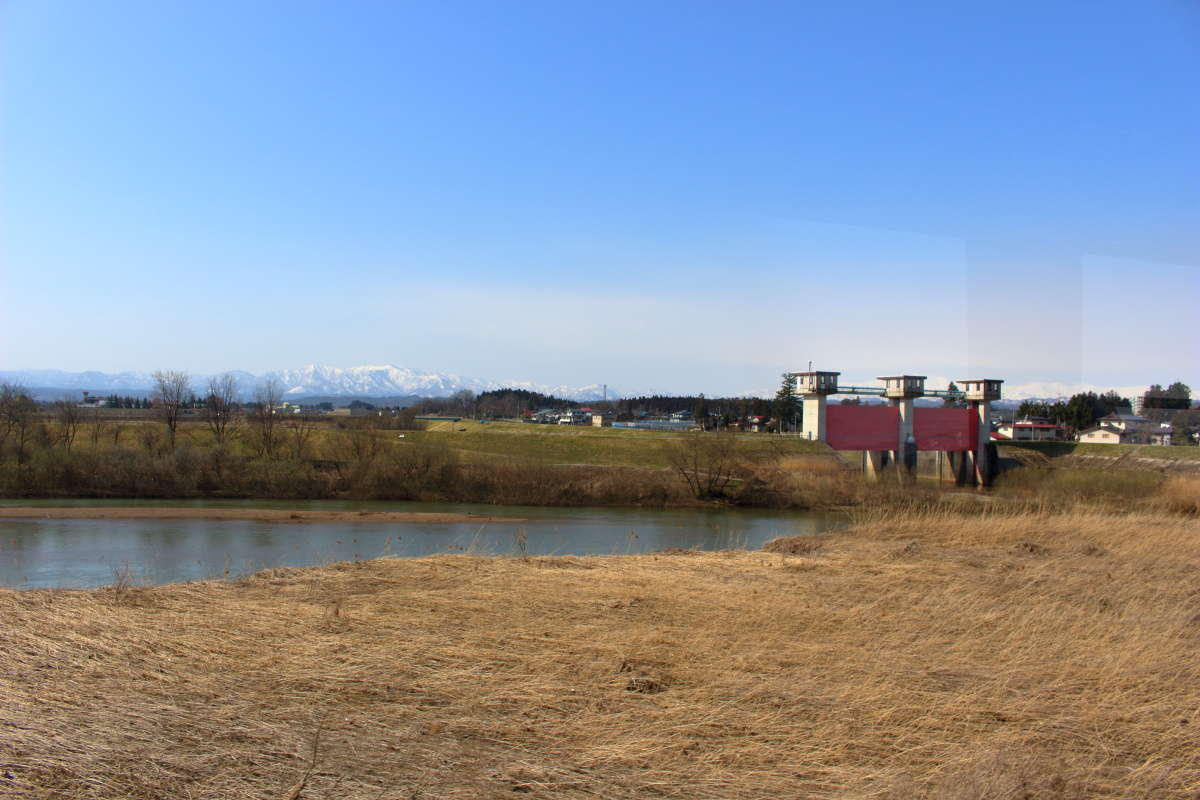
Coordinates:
[675,196]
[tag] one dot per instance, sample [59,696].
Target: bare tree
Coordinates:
[220,406]
[9,392]
[267,398]
[171,390]
[68,415]
[17,411]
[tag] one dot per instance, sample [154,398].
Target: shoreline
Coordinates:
[247,514]
[820,669]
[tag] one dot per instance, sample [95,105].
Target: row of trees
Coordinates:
[1176,397]
[30,431]
[1081,411]
[512,403]
[494,404]
[1084,409]
[222,411]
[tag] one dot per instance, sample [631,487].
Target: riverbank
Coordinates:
[934,656]
[527,465]
[249,514]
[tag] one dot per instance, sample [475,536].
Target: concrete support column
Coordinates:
[906,457]
[982,464]
[873,463]
[961,466]
[814,416]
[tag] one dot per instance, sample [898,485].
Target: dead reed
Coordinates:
[942,656]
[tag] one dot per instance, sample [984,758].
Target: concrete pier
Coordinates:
[873,463]
[902,391]
[815,388]
[980,393]
[813,424]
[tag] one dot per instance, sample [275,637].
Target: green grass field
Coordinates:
[548,444]
[1059,449]
[586,445]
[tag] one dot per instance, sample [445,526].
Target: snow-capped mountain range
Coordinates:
[391,381]
[313,380]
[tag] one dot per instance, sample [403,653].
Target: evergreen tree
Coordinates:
[787,402]
[1176,396]
[1029,408]
[953,402]
[1110,401]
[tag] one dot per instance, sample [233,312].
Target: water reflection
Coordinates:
[84,553]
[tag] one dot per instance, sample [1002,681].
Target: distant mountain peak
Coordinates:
[368,380]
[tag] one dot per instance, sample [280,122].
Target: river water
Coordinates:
[87,553]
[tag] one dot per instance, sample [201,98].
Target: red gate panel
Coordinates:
[945,428]
[862,427]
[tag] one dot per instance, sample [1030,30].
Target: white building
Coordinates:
[1127,429]
[1099,435]
[1030,429]
[1123,421]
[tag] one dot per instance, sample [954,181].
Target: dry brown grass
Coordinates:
[1180,495]
[937,657]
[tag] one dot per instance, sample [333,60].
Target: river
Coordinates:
[88,553]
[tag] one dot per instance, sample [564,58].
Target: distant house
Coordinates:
[1108,434]
[1030,429]
[92,401]
[1104,435]
[1161,435]
[1122,427]
[1123,421]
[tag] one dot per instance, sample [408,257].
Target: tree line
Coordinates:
[1085,409]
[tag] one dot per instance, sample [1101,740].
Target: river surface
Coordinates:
[88,553]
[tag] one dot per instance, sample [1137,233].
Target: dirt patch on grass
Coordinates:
[964,669]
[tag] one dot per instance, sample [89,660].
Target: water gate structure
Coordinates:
[896,432]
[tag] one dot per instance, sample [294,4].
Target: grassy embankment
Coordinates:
[1125,452]
[929,655]
[571,445]
[463,462]
[515,463]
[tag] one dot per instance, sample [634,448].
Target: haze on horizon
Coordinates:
[686,196]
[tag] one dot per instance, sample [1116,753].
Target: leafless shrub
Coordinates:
[149,438]
[299,430]
[707,462]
